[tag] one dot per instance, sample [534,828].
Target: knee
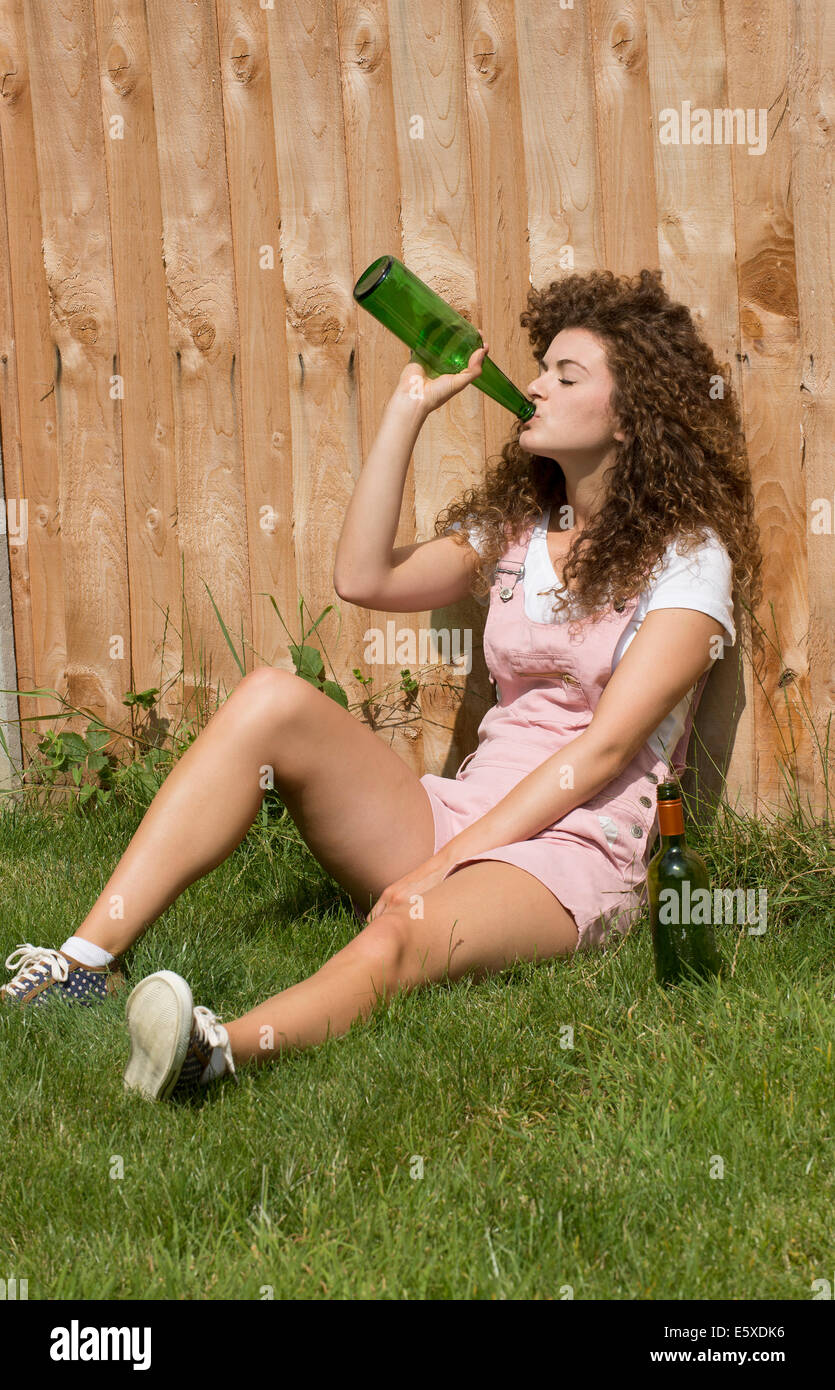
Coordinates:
[383,943]
[268,691]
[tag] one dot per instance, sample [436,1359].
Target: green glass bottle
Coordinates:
[439,337]
[684,945]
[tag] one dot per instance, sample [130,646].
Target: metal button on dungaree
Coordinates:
[636,830]
[651,777]
[644,800]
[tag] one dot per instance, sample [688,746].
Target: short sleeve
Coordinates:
[475,534]
[702,580]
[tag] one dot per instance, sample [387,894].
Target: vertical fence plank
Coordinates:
[697,254]
[303,45]
[439,244]
[499,182]
[757,39]
[204,352]
[76,239]
[147,404]
[499,178]
[375,230]
[557,94]
[810,106]
[624,127]
[30,435]
[265,416]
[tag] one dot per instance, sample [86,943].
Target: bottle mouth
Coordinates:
[373,276]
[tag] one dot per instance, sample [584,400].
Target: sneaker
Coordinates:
[171,1041]
[42,973]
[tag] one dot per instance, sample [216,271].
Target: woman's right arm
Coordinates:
[368,569]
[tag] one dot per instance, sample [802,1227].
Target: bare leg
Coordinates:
[479,920]
[361,809]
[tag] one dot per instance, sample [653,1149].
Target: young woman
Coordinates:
[610,538]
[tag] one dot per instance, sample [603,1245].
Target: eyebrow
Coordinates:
[562,360]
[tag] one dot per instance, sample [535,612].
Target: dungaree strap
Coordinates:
[510,568]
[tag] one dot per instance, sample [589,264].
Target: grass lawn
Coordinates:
[452,1147]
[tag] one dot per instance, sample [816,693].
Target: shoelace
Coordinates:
[26,959]
[212,1032]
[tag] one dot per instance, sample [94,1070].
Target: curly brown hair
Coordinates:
[681,470]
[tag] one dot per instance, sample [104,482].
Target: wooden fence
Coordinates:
[188,390]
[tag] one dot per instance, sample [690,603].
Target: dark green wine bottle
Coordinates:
[440,338]
[683,945]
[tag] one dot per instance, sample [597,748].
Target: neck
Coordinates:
[585,489]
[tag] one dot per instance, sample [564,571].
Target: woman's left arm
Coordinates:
[665,659]
[662,663]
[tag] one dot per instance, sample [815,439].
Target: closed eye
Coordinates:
[563,380]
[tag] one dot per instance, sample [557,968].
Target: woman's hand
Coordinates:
[412,885]
[430,392]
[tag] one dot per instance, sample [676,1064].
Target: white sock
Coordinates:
[86,952]
[216,1066]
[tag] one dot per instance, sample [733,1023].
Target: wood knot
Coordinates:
[786,678]
[625,45]
[11,83]
[84,328]
[751,324]
[119,70]
[242,60]
[768,279]
[203,334]
[367,49]
[484,57]
[152,518]
[86,691]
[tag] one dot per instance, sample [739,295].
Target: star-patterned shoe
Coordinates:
[171,1040]
[41,974]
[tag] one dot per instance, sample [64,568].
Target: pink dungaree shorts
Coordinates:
[594,859]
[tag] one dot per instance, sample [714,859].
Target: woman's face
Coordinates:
[572,394]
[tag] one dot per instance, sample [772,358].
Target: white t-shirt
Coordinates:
[702,580]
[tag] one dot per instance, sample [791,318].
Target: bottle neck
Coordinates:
[671,824]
